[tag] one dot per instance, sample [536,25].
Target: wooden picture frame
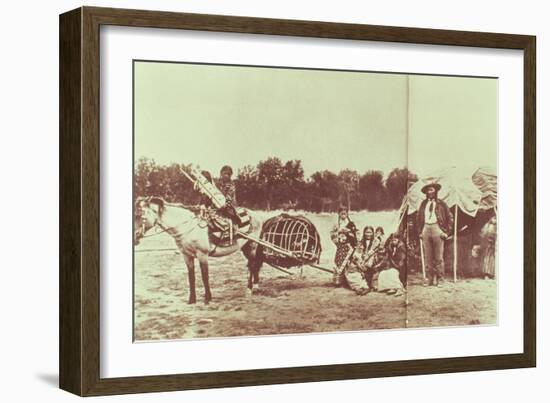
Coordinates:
[79,348]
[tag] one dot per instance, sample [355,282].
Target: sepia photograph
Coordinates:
[271,200]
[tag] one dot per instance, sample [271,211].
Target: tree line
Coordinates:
[274,184]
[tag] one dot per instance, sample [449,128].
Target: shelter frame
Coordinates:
[475,192]
[79,347]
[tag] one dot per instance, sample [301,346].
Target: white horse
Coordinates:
[190,232]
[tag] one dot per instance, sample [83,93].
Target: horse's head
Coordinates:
[147,213]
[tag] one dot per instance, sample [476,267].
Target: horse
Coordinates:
[190,233]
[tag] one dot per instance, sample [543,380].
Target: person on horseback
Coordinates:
[224,204]
[228,189]
[205,202]
[218,204]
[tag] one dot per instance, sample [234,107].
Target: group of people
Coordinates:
[383,265]
[434,223]
[368,262]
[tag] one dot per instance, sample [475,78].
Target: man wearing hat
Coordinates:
[227,186]
[434,223]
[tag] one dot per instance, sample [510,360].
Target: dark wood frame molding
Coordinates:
[79,200]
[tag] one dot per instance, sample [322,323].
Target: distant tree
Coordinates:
[249,191]
[179,188]
[397,186]
[373,191]
[326,189]
[156,182]
[142,170]
[272,184]
[292,182]
[270,176]
[349,182]
[308,197]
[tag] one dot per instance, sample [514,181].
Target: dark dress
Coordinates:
[397,255]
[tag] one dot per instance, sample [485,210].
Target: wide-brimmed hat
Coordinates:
[436,186]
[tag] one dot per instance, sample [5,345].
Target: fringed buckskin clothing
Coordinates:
[347,271]
[229,190]
[343,254]
[369,250]
[346,266]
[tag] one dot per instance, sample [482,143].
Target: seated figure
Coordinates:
[386,277]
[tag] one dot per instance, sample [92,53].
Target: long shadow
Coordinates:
[49,379]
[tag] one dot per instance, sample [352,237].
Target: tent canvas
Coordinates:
[471,194]
[485,178]
[457,189]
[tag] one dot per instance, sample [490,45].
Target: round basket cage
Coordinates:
[295,235]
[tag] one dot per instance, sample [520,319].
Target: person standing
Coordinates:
[345,226]
[489,234]
[434,225]
[344,236]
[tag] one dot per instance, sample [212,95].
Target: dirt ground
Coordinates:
[467,302]
[302,303]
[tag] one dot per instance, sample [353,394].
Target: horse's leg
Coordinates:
[203,262]
[190,263]
[251,265]
[256,273]
[258,262]
[249,251]
[255,263]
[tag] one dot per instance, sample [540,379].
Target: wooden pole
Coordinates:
[422,259]
[281,251]
[455,243]
[315,266]
[280,269]
[402,214]
[156,250]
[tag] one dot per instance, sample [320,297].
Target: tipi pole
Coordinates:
[455,260]
[402,215]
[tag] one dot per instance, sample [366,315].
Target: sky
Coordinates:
[216,115]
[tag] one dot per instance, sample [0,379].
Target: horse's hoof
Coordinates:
[192,301]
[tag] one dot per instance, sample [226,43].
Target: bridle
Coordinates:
[156,223]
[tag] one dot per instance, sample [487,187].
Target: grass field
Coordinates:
[286,304]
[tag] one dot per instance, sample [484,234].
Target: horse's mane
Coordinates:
[162,204]
[194,208]
[159,201]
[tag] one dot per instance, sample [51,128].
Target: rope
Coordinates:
[155,250]
[167,228]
